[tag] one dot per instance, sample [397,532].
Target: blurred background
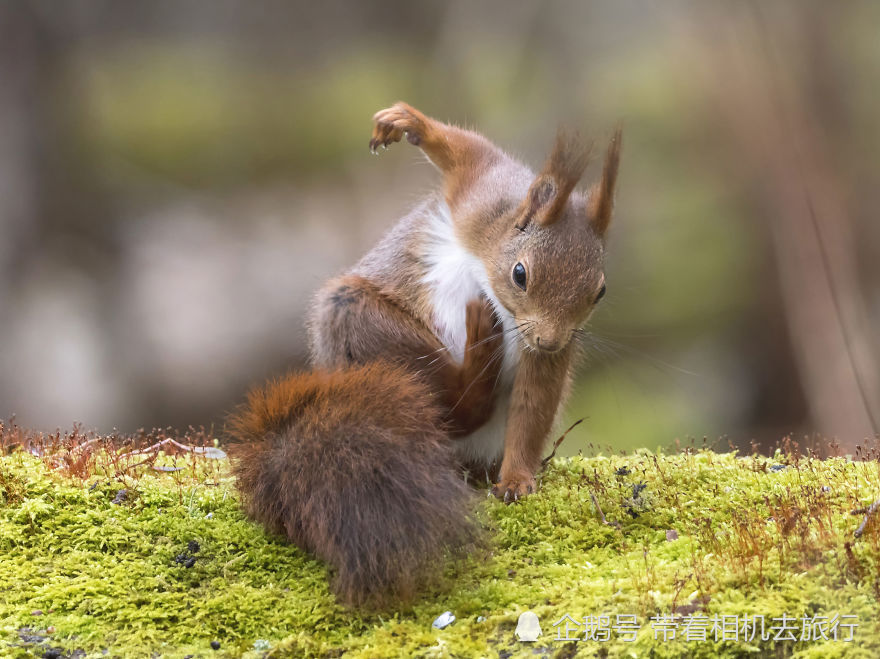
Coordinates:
[177,179]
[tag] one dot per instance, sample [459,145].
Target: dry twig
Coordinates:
[556,444]
[871,510]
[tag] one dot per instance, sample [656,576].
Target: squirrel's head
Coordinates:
[548,270]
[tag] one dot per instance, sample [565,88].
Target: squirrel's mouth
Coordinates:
[546,345]
[549,350]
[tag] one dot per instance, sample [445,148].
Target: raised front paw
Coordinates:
[514,488]
[390,124]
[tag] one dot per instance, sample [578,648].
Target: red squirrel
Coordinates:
[448,347]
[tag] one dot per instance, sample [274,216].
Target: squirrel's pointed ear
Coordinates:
[601,203]
[550,190]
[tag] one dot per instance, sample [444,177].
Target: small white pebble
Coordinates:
[443,620]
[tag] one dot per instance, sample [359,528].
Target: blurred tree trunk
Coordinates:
[54,210]
[798,189]
[20,76]
[19,128]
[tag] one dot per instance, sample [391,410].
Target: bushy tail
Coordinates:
[352,466]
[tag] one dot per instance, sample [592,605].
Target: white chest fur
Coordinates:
[454,277]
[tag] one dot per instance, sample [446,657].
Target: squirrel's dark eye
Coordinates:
[519,275]
[601,293]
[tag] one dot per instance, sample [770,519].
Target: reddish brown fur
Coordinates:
[352,466]
[539,388]
[469,388]
[562,250]
[354,461]
[601,205]
[558,236]
[364,323]
[462,155]
[549,193]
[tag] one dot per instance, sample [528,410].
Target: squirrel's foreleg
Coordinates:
[537,392]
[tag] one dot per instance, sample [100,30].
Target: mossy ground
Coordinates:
[173,565]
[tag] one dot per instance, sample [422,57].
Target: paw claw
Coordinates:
[514,489]
[391,124]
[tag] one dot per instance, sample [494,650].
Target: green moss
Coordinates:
[751,540]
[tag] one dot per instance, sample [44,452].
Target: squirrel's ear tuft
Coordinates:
[550,190]
[601,202]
